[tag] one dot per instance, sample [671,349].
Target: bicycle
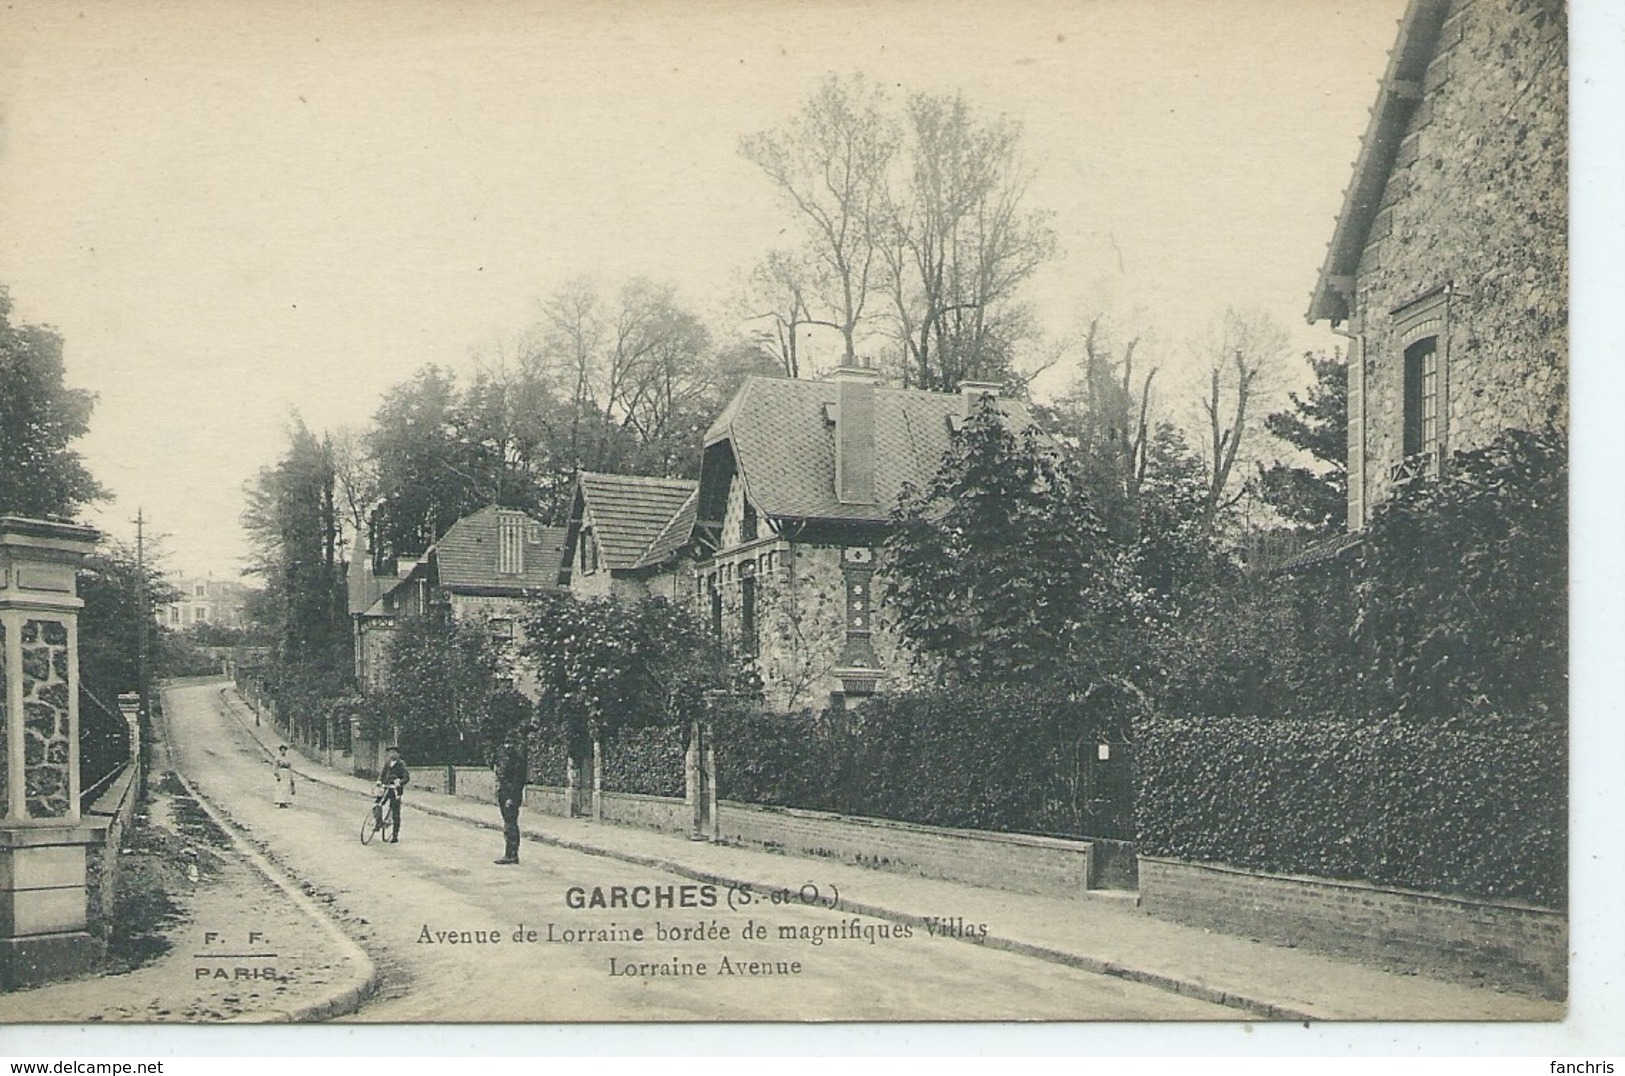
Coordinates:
[384,813]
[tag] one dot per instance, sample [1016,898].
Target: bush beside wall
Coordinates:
[1019,760]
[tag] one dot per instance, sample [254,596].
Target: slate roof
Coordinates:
[784,447]
[466,555]
[638,522]
[1400,93]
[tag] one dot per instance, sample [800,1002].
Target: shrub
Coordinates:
[1013,758]
[647,761]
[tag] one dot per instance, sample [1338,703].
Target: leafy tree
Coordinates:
[604,666]
[293,526]
[1002,568]
[442,675]
[427,474]
[114,617]
[1176,553]
[40,417]
[1316,500]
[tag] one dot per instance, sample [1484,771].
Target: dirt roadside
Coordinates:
[199,934]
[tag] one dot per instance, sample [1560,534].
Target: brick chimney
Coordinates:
[855,434]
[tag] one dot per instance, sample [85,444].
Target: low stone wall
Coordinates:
[1015,862]
[475,783]
[117,805]
[1010,861]
[430,779]
[663,813]
[547,799]
[1514,945]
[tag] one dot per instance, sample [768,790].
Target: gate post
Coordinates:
[43,840]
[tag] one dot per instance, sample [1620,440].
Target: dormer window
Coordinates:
[589,553]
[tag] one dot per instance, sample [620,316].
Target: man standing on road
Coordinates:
[395,774]
[508,715]
[511,774]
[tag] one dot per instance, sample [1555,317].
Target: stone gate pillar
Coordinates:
[42,838]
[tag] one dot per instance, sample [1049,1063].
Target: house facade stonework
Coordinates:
[1448,267]
[797,487]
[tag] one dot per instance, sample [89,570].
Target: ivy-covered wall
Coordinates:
[1477,200]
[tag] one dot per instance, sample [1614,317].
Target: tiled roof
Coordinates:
[675,533]
[784,446]
[633,517]
[466,555]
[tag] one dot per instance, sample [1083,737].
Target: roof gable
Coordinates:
[637,521]
[466,555]
[1400,93]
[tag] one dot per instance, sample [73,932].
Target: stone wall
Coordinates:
[1015,862]
[801,626]
[1475,214]
[47,720]
[662,813]
[116,804]
[1508,944]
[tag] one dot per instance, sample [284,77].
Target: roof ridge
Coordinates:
[639,478]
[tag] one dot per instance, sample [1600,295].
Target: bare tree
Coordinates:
[959,244]
[626,377]
[830,164]
[1243,363]
[777,301]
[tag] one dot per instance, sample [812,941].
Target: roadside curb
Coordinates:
[1265,1010]
[341,1002]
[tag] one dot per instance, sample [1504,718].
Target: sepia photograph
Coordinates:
[756,511]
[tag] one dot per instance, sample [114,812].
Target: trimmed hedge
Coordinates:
[1472,806]
[648,761]
[548,755]
[1012,759]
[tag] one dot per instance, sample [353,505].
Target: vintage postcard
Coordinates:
[754,511]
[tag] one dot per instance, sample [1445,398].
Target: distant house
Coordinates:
[206,600]
[1447,270]
[482,568]
[797,486]
[626,537]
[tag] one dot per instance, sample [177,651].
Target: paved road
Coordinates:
[406,903]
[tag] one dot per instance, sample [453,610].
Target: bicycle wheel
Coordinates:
[371,824]
[390,822]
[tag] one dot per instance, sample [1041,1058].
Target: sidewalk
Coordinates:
[1101,931]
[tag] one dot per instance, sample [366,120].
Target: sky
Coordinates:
[235,212]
